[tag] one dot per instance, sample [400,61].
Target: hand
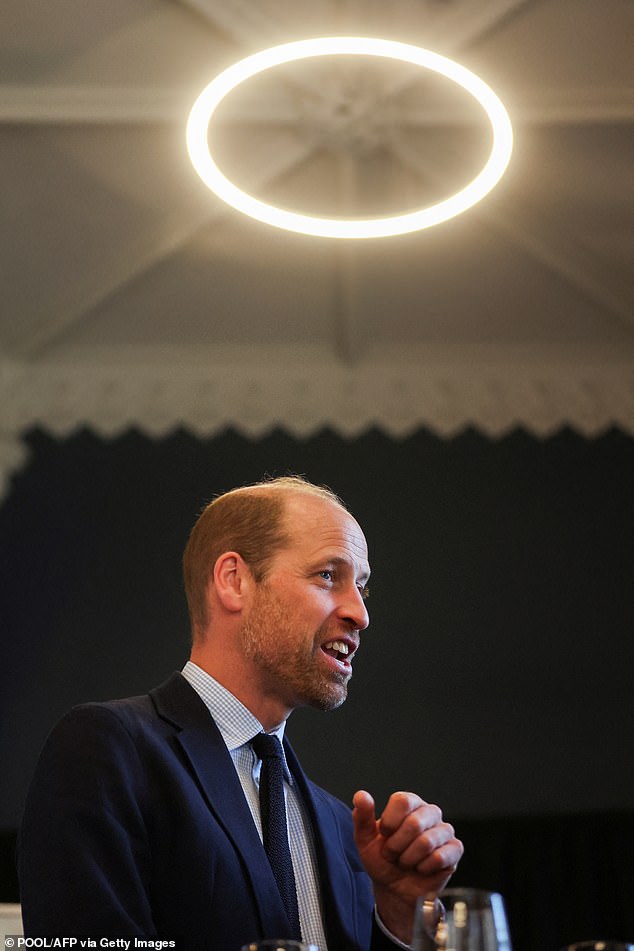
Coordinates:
[407,853]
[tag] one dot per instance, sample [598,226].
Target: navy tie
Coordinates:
[274,831]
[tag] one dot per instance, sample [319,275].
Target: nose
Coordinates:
[353,610]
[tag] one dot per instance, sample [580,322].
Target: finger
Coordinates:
[414,825]
[419,847]
[364,818]
[399,806]
[442,860]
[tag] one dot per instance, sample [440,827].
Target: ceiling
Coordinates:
[132,295]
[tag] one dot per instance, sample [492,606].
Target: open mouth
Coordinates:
[340,650]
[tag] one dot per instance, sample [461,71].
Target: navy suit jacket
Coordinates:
[136,824]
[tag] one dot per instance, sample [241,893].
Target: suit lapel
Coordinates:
[202,743]
[338,886]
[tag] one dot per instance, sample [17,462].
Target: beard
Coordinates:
[286,653]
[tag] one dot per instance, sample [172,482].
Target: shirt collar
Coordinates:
[236,723]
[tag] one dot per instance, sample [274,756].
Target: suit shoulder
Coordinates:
[92,731]
[129,715]
[126,711]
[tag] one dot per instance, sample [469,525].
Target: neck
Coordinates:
[243,684]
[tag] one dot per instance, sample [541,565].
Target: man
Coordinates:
[143,817]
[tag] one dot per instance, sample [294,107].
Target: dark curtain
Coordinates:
[564,878]
[495,677]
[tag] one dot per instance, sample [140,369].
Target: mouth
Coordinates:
[341,651]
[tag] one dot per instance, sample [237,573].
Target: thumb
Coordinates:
[363,818]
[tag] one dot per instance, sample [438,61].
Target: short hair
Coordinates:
[248,520]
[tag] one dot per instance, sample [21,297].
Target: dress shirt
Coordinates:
[238,726]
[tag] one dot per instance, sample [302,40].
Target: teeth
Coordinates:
[338,646]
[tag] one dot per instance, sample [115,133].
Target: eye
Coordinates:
[327,574]
[364,591]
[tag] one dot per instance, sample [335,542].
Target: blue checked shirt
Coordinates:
[238,726]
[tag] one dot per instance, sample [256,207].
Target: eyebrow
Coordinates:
[337,561]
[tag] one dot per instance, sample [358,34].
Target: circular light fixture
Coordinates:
[213,94]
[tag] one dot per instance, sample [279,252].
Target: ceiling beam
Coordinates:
[244,22]
[90,104]
[460,24]
[346,304]
[451,28]
[537,107]
[110,278]
[67,105]
[61,105]
[112,275]
[553,248]
[254,29]
[557,251]
[346,278]
[574,106]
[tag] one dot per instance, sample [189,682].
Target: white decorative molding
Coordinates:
[300,395]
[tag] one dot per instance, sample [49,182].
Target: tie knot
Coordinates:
[266,746]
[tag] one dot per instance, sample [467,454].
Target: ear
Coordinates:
[233,581]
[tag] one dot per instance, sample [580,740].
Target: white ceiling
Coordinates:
[130,293]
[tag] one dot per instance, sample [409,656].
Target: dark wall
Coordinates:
[495,677]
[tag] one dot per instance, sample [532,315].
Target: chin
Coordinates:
[329,699]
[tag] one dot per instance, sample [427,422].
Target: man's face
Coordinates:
[303,625]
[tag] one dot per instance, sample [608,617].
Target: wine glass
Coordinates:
[473,920]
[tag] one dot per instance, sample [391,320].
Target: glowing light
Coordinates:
[213,94]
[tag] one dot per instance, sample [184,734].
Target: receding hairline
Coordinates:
[285,485]
[285,490]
